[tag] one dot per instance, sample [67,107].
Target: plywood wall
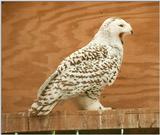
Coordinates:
[37,36]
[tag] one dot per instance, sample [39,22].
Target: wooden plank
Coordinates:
[110,120]
[51,122]
[65,121]
[3,122]
[81,120]
[120,119]
[147,120]
[157,120]
[14,122]
[37,36]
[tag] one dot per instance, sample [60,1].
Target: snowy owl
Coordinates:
[86,72]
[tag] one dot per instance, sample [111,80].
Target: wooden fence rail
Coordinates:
[81,120]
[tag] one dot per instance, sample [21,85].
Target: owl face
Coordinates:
[117,26]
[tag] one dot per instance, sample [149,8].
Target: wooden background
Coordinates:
[36,36]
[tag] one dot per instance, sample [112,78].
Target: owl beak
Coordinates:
[132,32]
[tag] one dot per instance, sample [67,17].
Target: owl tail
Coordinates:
[40,108]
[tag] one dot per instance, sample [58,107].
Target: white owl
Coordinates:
[87,71]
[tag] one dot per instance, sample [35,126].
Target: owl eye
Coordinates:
[121,25]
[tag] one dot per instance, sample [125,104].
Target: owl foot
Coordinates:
[106,108]
[103,109]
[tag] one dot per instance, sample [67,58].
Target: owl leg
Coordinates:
[88,103]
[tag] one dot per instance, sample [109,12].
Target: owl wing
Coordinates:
[79,64]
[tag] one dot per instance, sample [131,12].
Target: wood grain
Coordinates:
[82,120]
[15,122]
[37,36]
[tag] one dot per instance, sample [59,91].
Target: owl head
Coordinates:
[116,26]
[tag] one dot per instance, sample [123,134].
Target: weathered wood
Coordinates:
[53,121]
[37,36]
[81,120]
[148,120]
[14,122]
